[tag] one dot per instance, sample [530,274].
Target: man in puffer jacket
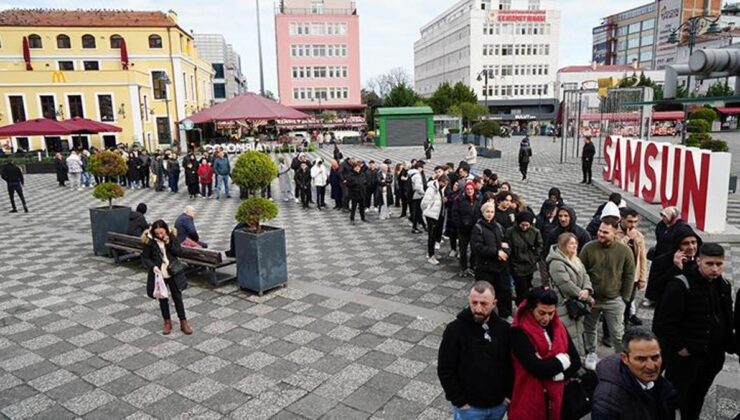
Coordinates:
[432,205]
[567,223]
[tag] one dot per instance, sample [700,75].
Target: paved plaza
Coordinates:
[354,335]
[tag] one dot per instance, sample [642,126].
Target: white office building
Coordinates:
[516,41]
[228,80]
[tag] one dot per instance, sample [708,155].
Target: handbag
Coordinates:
[577,308]
[577,396]
[175,267]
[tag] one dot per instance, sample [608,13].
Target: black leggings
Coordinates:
[357,202]
[431,236]
[320,196]
[176,295]
[586,168]
[522,285]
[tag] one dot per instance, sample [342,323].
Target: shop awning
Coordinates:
[667,115]
[86,126]
[729,110]
[248,106]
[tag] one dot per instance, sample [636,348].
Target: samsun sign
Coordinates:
[695,180]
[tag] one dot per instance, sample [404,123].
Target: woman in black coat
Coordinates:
[160,253]
[335,180]
[134,170]
[464,214]
[491,255]
[61,169]
[356,188]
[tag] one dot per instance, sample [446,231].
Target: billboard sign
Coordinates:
[669,18]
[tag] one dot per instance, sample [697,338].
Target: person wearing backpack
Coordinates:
[694,324]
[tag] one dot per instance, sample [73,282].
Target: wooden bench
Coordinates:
[124,247]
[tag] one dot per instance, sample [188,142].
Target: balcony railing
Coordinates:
[281,9]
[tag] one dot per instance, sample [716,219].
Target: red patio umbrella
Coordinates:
[27,54]
[87,126]
[249,106]
[37,127]
[124,54]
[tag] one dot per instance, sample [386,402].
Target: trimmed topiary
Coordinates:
[254,170]
[698,125]
[106,163]
[256,210]
[715,145]
[706,114]
[107,191]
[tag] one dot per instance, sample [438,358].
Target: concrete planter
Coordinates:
[39,168]
[104,220]
[261,259]
[489,153]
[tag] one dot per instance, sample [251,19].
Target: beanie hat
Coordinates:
[524,216]
[610,209]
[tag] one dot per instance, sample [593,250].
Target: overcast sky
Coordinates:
[388,28]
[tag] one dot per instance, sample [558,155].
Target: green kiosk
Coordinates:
[405,126]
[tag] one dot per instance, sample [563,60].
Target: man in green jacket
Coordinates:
[611,267]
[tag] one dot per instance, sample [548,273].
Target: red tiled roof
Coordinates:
[85,18]
[599,68]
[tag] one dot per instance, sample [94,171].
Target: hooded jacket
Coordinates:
[663,268]
[525,151]
[556,192]
[618,395]
[485,241]
[581,234]
[431,204]
[526,248]
[472,369]
[137,224]
[464,214]
[666,236]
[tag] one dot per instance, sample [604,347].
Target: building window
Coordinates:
[648,24]
[534,5]
[633,43]
[219,90]
[634,28]
[163,130]
[115,41]
[646,55]
[91,65]
[159,84]
[88,41]
[317,7]
[75,106]
[504,5]
[21,143]
[34,41]
[155,41]
[647,39]
[48,107]
[219,69]
[63,42]
[66,65]
[109,141]
[105,107]
[17,108]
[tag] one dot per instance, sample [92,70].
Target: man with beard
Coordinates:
[474,365]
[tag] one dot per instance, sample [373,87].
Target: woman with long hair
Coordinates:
[160,259]
[570,278]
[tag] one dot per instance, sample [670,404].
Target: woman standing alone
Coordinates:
[160,258]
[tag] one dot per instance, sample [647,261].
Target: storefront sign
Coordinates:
[230,148]
[693,179]
[519,15]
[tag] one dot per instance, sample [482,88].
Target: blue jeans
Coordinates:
[222,179]
[86,179]
[475,413]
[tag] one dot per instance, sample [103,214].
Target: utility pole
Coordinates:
[259,47]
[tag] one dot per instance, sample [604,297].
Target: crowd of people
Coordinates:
[545,288]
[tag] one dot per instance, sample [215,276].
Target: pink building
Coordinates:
[318,55]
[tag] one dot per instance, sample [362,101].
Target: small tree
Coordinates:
[107,164]
[707,114]
[486,128]
[401,95]
[253,171]
[719,88]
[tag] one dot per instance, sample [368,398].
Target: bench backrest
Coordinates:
[125,240]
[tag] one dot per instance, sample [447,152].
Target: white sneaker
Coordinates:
[297,201]
[591,360]
[453,254]
[433,261]
[79,189]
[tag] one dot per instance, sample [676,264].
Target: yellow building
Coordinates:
[138,70]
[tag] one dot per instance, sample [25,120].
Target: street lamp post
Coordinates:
[692,28]
[484,75]
[167,83]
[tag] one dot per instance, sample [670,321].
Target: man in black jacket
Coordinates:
[694,324]
[356,189]
[474,365]
[630,386]
[680,256]
[587,159]
[13,177]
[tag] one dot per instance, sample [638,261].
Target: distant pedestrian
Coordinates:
[173,174]
[525,153]
[319,179]
[303,183]
[587,159]
[205,175]
[335,180]
[191,179]
[356,187]
[428,148]
[284,180]
[432,205]
[74,168]
[222,170]
[471,157]
[13,177]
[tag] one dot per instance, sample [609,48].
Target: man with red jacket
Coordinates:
[474,365]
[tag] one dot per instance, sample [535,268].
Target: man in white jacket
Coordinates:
[472,158]
[319,178]
[432,205]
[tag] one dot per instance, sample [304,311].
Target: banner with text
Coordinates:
[695,180]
